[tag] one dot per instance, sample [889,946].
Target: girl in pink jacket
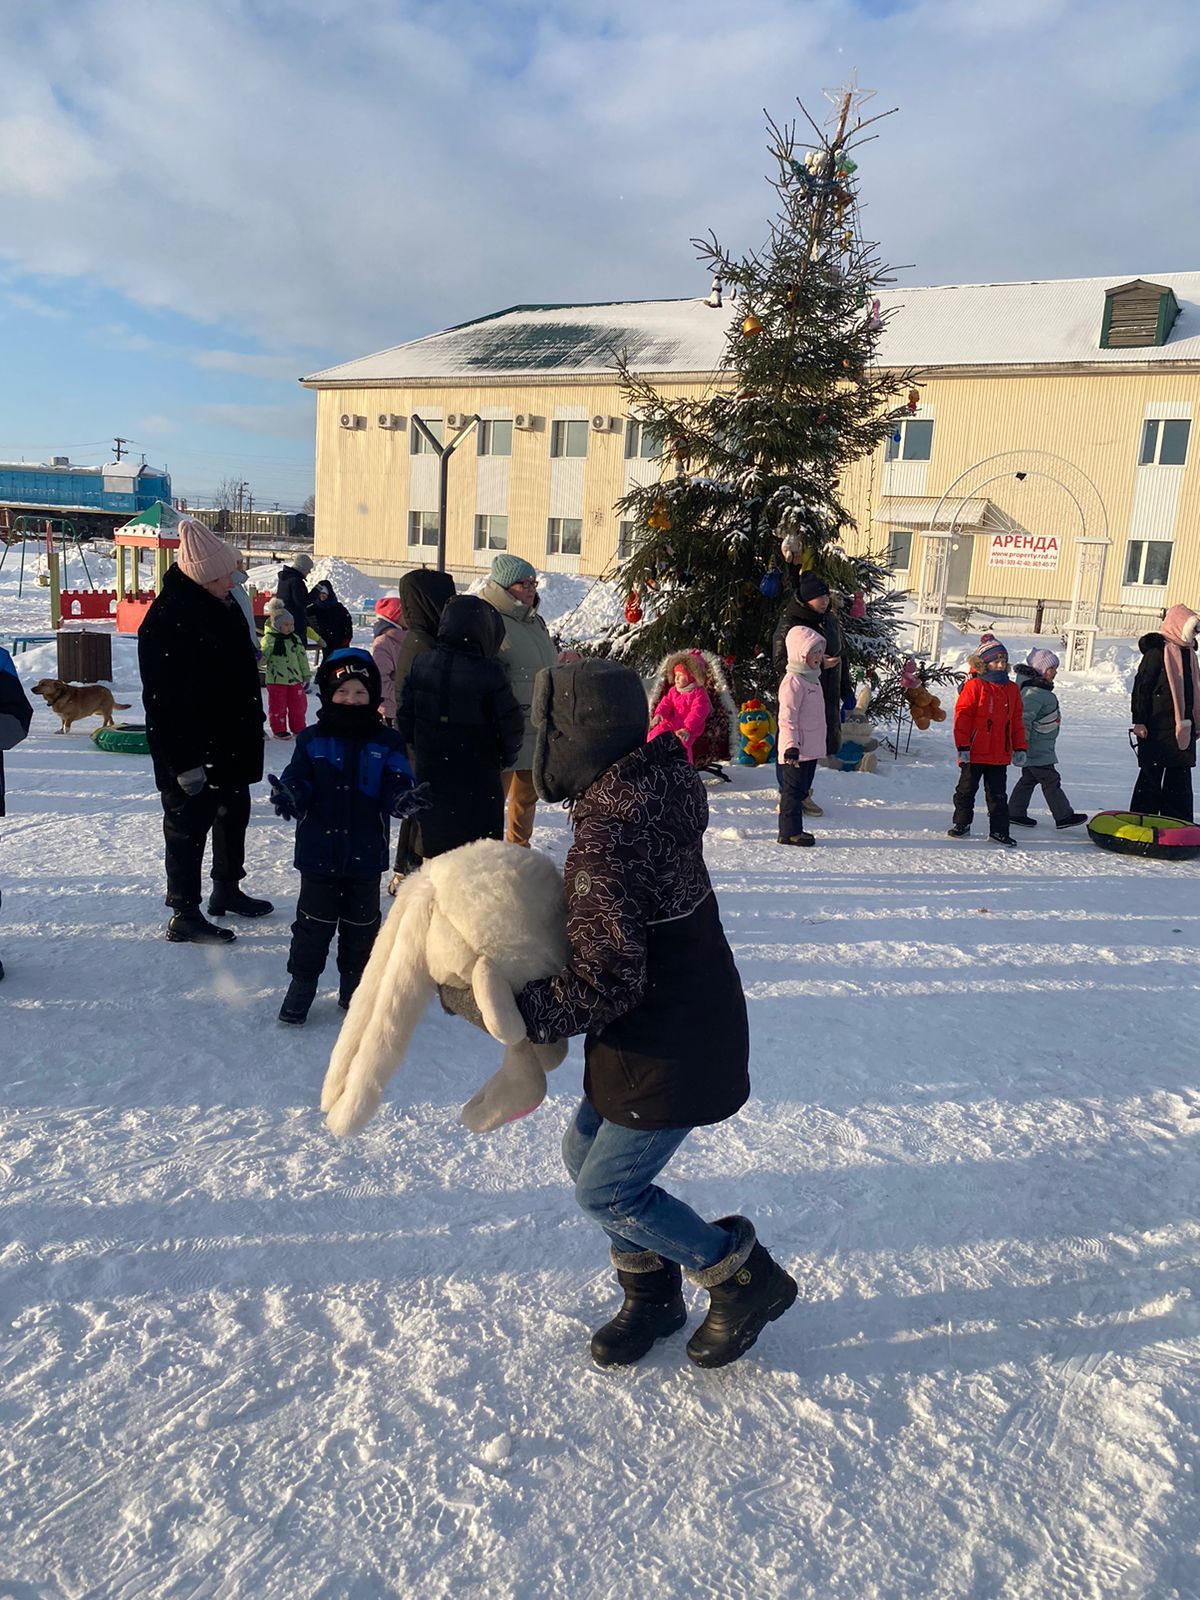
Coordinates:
[685,708]
[802,731]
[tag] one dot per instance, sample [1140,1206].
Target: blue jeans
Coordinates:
[613,1170]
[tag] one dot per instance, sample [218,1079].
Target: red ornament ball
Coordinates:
[633,609]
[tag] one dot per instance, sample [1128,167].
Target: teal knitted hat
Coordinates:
[508,569]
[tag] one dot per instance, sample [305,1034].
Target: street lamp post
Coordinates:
[443,453]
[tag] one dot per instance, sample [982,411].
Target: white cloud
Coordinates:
[281,421]
[322,174]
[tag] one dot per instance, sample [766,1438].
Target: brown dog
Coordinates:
[71,703]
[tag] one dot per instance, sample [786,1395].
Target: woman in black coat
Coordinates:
[463,725]
[1164,703]
[204,726]
[811,607]
[424,595]
[329,619]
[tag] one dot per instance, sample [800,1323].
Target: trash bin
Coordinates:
[84,656]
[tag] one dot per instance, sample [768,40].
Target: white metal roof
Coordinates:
[917,511]
[1043,323]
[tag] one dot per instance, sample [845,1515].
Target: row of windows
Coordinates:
[1164,442]
[1147,561]
[564,535]
[494,437]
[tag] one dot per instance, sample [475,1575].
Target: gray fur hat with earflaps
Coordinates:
[586,715]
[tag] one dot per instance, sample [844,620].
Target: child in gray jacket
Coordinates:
[1042,717]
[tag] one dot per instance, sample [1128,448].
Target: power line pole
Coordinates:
[119,447]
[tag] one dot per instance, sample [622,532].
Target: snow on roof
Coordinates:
[1042,323]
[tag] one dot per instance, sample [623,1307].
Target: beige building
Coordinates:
[1048,412]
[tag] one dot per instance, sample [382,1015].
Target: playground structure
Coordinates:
[152,533]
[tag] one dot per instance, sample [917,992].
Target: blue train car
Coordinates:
[111,493]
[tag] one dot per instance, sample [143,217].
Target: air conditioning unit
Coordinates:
[349,420]
[456,419]
[388,419]
[526,420]
[605,424]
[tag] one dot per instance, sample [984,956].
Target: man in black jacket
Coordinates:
[292,591]
[651,983]
[204,725]
[16,714]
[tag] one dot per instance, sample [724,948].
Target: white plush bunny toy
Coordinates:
[489,917]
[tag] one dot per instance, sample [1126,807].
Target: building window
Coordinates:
[1164,444]
[1148,562]
[495,437]
[900,551]
[491,533]
[422,529]
[564,535]
[419,444]
[626,540]
[642,441]
[568,438]
[911,439]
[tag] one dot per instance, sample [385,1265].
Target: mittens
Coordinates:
[1018,757]
[282,799]
[791,757]
[192,781]
[409,802]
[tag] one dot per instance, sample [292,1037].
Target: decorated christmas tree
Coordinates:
[749,497]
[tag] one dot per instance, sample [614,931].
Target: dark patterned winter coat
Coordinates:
[200,687]
[651,979]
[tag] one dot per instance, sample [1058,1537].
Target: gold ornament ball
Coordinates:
[752,326]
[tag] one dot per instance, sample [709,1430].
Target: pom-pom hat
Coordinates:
[202,556]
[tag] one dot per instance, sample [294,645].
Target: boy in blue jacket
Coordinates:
[348,776]
[16,714]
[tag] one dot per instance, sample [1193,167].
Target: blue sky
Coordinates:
[201,200]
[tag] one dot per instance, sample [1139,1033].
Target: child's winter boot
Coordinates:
[1072,820]
[297,1002]
[797,838]
[653,1308]
[747,1289]
[347,984]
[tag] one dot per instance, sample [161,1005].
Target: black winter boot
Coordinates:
[187,926]
[746,1291]
[653,1308]
[347,984]
[297,1002]
[228,897]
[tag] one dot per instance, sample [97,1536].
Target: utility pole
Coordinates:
[119,447]
[443,453]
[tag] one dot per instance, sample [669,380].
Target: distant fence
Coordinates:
[1043,616]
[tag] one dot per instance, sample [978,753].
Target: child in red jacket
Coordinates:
[989,732]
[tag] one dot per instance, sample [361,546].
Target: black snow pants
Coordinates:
[1163,792]
[187,821]
[995,789]
[348,907]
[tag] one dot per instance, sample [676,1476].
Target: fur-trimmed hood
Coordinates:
[717,685]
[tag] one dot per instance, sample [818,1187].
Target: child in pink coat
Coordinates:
[802,730]
[685,708]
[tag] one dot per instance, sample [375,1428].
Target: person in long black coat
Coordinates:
[204,726]
[329,619]
[424,595]
[16,714]
[462,723]
[292,591]
[810,607]
[1164,705]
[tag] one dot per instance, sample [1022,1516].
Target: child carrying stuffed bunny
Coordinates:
[685,708]
[348,775]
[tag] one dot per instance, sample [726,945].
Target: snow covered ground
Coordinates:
[242,1359]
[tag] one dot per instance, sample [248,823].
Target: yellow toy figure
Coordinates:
[757,727]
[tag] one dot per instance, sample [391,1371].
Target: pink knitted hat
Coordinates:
[202,556]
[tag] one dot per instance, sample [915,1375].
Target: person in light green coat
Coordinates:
[1042,718]
[511,590]
[286,671]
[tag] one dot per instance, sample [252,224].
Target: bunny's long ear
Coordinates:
[494,997]
[386,1008]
